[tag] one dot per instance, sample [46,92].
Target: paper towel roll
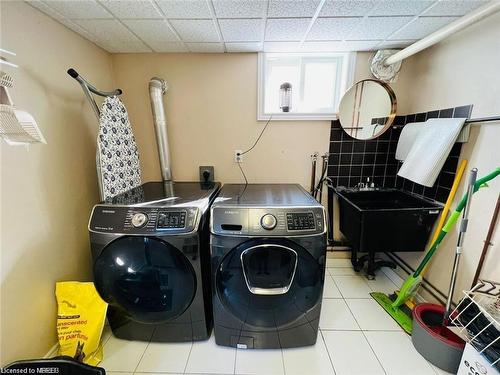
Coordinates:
[407,138]
[430,150]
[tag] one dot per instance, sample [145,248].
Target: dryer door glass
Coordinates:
[149,279]
[269,283]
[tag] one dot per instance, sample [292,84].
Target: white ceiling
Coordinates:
[253,25]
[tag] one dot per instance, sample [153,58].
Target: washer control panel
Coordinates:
[300,221]
[253,221]
[143,220]
[171,219]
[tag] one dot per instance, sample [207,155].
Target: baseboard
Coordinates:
[52,352]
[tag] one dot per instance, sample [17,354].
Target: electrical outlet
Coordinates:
[207,171]
[237,157]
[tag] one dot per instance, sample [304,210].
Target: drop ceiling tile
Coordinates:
[361,45]
[240,8]
[372,28]
[151,30]
[395,44]
[185,9]
[107,30]
[335,8]
[196,30]
[117,46]
[400,8]
[281,46]
[333,28]
[130,9]
[287,8]
[340,46]
[241,30]
[77,29]
[422,26]
[45,9]
[206,47]
[79,9]
[168,46]
[454,7]
[244,47]
[286,29]
[330,46]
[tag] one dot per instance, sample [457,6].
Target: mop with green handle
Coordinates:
[394,306]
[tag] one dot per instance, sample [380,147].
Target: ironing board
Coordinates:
[118,163]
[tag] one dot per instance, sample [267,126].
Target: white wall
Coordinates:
[463,69]
[47,191]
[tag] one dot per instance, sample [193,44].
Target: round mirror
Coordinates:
[367,109]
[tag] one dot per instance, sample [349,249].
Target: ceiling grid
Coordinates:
[141,26]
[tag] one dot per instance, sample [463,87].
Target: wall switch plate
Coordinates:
[207,169]
[238,158]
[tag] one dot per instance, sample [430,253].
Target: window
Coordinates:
[318,82]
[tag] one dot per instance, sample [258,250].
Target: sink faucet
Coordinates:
[365,186]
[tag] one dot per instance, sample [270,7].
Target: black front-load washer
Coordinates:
[151,261]
[268,248]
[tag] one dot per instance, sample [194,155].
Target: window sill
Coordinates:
[297,117]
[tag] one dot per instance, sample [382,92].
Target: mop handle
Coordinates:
[453,219]
[461,235]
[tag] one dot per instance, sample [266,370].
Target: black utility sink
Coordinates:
[386,220]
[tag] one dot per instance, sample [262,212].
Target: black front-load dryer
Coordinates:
[151,261]
[268,248]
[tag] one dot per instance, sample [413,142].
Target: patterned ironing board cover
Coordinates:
[118,163]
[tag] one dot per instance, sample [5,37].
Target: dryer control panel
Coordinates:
[272,221]
[143,220]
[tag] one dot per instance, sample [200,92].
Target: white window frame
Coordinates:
[347,80]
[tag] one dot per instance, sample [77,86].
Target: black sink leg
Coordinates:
[372,264]
[357,264]
[370,272]
[354,260]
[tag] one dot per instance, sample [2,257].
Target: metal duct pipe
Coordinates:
[453,27]
[157,88]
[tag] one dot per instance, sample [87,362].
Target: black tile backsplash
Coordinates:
[352,161]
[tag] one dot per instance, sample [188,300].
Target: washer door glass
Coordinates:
[269,283]
[149,279]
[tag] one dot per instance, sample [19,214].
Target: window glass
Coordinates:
[318,82]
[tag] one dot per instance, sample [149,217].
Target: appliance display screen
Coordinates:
[167,220]
[300,221]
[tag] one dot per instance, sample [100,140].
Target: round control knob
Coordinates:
[139,220]
[268,221]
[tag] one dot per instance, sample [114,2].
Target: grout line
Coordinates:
[313,20]
[320,333]
[142,356]
[189,356]
[235,355]
[366,338]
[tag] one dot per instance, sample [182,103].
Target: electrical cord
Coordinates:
[250,149]
[258,138]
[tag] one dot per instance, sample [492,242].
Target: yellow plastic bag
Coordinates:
[80,319]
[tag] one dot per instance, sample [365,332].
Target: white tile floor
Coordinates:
[356,337]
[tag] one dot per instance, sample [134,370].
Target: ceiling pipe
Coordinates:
[461,23]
